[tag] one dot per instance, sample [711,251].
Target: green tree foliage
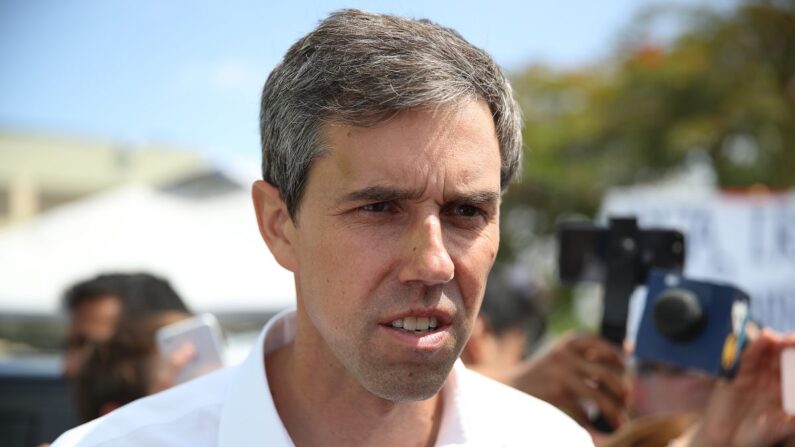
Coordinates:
[722,89]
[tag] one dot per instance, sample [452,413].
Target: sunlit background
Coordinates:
[129,139]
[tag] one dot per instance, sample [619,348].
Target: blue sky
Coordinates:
[189,73]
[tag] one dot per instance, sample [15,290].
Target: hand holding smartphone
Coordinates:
[200,338]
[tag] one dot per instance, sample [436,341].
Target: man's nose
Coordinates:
[427,260]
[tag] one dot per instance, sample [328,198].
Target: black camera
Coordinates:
[619,256]
[693,324]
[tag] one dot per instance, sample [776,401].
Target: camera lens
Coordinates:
[678,315]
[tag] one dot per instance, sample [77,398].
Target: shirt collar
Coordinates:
[249,412]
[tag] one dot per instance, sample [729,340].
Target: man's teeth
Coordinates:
[416,324]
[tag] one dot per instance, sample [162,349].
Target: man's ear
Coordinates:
[274,223]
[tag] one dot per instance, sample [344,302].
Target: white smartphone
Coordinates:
[788,380]
[204,333]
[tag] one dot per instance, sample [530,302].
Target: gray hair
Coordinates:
[360,69]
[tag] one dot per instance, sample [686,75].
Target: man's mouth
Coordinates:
[420,329]
[417,325]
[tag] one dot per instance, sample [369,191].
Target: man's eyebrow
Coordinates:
[379,193]
[388,194]
[478,198]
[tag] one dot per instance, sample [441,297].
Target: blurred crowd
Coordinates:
[624,401]
[112,358]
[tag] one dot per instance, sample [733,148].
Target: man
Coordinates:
[387,143]
[96,305]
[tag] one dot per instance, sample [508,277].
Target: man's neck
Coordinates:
[320,404]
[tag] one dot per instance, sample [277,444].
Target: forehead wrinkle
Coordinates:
[466,185]
[388,181]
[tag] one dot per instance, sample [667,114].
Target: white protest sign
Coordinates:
[746,240]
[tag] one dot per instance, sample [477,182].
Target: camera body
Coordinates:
[620,257]
[693,324]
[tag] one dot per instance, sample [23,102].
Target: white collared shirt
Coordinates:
[233,407]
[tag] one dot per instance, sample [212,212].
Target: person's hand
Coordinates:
[747,411]
[575,369]
[167,368]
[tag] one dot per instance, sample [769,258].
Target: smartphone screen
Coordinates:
[204,334]
[788,380]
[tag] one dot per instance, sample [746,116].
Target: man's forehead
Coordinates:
[457,148]
[377,180]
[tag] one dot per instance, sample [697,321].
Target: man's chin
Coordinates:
[407,394]
[408,385]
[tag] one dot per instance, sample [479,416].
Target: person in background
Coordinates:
[570,371]
[128,366]
[669,406]
[96,305]
[511,323]
[745,411]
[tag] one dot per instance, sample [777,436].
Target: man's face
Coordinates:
[398,226]
[92,321]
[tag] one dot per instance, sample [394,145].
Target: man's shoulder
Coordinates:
[517,416]
[185,415]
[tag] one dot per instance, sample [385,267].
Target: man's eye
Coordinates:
[379,207]
[467,211]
